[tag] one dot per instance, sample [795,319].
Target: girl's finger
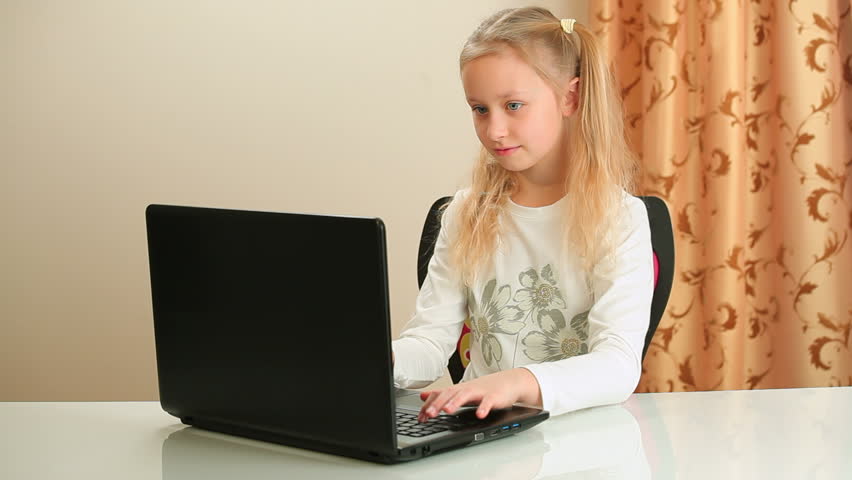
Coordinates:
[454,401]
[437,404]
[429,400]
[465,398]
[484,407]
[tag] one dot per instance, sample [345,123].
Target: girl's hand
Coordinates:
[498,390]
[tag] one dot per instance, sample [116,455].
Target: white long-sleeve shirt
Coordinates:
[580,334]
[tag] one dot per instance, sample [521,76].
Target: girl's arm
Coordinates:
[429,338]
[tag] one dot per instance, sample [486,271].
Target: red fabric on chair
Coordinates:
[656,269]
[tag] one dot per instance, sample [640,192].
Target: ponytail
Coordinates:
[602,165]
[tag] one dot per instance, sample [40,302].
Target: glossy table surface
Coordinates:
[778,434]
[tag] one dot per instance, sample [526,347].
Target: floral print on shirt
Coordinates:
[538,294]
[539,304]
[498,318]
[557,340]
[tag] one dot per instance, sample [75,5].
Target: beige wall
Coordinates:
[106,106]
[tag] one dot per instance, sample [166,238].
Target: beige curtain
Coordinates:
[741,111]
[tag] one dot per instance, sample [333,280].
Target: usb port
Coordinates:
[505,428]
[516,425]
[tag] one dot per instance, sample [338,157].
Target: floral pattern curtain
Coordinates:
[741,111]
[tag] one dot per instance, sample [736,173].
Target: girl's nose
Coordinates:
[497,129]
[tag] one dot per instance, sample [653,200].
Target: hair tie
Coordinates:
[568,24]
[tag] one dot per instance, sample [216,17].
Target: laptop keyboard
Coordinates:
[407,424]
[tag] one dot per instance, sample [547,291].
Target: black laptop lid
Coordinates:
[273,321]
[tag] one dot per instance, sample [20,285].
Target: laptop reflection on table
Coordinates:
[603,442]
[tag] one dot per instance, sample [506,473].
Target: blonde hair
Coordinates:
[602,166]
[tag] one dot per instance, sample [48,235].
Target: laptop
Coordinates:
[276,327]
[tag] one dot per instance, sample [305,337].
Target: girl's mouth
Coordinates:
[506,151]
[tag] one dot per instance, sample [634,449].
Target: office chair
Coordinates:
[662,243]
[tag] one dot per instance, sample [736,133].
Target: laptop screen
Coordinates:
[273,321]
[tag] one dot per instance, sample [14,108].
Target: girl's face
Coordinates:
[517,115]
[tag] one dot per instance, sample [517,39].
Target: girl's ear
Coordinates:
[570,100]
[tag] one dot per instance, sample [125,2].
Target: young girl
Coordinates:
[547,252]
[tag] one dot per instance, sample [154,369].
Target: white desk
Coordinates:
[777,434]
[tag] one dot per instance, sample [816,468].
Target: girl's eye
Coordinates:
[480,110]
[514,106]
